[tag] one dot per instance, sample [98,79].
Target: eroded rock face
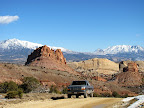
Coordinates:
[48,58]
[95,65]
[130,75]
[46,52]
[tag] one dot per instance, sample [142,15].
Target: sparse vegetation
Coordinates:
[8,86]
[14,94]
[106,94]
[143,79]
[11,94]
[115,94]
[64,90]
[95,94]
[54,89]
[12,90]
[29,84]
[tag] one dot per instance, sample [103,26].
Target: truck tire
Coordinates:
[69,96]
[85,95]
[77,96]
[91,94]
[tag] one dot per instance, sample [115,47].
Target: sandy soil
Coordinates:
[65,103]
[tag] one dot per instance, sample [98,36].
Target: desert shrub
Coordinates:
[20,93]
[8,86]
[11,94]
[64,90]
[3,87]
[95,95]
[12,86]
[125,96]
[115,94]
[29,84]
[106,94]
[14,94]
[53,89]
[143,79]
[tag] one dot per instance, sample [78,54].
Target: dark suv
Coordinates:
[80,88]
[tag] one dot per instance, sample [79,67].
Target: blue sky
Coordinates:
[78,25]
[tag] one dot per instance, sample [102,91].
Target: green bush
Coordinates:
[115,94]
[53,89]
[106,94]
[12,86]
[3,87]
[64,90]
[20,93]
[14,94]
[29,84]
[8,86]
[11,94]
[95,95]
[125,96]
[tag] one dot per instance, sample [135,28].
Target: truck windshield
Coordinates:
[78,83]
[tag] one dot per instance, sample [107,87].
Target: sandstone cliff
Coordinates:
[48,58]
[99,65]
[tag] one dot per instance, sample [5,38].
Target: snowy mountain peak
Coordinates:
[19,44]
[120,49]
[16,44]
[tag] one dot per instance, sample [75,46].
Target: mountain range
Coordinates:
[17,51]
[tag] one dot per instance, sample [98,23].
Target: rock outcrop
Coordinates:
[96,65]
[46,52]
[48,58]
[123,65]
[130,75]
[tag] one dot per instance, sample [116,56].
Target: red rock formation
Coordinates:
[48,58]
[131,76]
[45,51]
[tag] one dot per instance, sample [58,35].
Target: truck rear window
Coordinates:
[78,83]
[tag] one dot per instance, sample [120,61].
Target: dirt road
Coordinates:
[66,103]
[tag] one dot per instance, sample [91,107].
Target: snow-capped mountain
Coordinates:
[120,49]
[17,51]
[15,44]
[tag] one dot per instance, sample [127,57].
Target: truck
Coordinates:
[79,88]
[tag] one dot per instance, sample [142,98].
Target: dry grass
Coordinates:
[29,97]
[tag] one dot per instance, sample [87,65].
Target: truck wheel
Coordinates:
[91,94]
[69,96]
[77,96]
[85,95]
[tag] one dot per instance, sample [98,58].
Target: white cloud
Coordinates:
[8,19]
